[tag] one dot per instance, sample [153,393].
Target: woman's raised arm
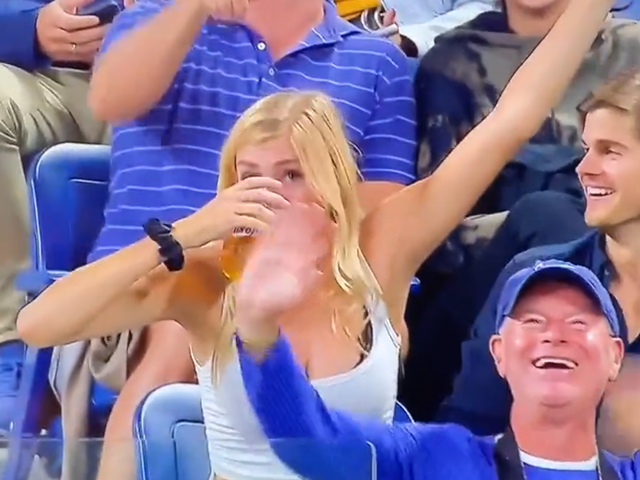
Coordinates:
[413,222]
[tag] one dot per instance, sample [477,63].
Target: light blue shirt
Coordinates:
[423,20]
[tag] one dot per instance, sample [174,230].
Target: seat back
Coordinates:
[172,443]
[69,189]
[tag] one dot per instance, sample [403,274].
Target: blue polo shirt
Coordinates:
[18,41]
[165,163]
[487,413]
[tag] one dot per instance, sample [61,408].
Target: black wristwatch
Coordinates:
[169,248]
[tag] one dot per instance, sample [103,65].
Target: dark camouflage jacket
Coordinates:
[460,80]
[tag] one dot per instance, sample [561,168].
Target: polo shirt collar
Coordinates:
[331,30]
[600,263]
[603,268]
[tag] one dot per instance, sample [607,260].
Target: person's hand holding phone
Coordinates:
[65,36]
[391,30]
[389,21]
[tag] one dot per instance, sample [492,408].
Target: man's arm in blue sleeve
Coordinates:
[18,42]
[389,142]
[288,407]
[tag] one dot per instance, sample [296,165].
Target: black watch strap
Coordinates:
[169,248]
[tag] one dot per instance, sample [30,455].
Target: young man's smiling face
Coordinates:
[610,170]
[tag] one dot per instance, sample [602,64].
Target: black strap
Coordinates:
[509,465]
[169,249]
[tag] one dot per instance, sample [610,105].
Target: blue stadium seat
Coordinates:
[171,438]
[628,9]
[68,190]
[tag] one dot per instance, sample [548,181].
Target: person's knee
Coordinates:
[15,99]
[165,356]
[168,345]
[150,371]
[163,359]
[14,243]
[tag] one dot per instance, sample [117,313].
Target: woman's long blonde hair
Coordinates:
[312,123]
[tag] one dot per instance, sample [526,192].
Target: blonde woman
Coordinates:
[287,160]
[286,153]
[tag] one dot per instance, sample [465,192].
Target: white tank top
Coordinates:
[238,450]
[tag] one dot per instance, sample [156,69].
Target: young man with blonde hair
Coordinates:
[609,174]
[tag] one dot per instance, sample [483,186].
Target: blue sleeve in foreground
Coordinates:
[288,407]
[627,468]
[18,43]
[389,143]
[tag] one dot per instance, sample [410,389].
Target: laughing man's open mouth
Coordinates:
[555,363]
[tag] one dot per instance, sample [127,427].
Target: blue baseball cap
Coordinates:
[550,270]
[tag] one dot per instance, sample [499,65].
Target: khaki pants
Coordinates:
[37,110]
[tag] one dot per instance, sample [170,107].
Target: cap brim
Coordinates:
[559,274]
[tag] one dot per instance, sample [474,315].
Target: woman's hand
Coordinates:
[281,271]
[250,204]
[389,19]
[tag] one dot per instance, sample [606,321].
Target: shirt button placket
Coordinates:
[265,65]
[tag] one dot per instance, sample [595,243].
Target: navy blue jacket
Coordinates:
[18,44]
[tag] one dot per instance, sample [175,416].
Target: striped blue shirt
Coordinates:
[165,163]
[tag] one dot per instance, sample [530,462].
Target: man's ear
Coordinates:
[496,347]
[617,354]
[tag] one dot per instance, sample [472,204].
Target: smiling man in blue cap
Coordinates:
[557,343]
[556,332]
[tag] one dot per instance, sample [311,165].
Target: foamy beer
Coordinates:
[235,250]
